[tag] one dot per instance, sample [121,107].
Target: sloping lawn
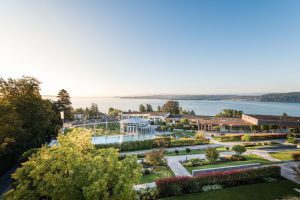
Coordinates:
[261,191]
[159,172]
[250,159]
[283,155]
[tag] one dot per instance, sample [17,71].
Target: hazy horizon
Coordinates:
[114,48]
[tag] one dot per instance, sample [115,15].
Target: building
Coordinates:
[207,123]
[150,116]
[136,125]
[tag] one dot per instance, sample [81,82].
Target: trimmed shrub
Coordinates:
[246,138]
[239,149]
[253,137]
[211,155]
[154,143]
[184,185]
[155,158]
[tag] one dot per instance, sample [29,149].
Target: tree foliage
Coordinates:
[171,107]
[75,169]
[64,104]
[149,108]
[142,108]
[230,113]
[26,120]
[239,149]
[211,154]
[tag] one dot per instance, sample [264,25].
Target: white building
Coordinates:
[136,125]
[150,116]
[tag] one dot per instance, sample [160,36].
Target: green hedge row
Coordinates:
[253,137]
[155,143]
[183,185]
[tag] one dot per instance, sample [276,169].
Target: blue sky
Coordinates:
[140,47]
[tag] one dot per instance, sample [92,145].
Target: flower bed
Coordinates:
[184,185]
[253,137]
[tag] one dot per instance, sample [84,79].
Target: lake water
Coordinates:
[201,107]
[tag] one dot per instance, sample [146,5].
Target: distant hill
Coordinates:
[292,97]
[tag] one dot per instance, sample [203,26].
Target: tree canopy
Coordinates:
[171,107]
[26,120]
[75,169]
[230,113]
[64,104]
[142,108]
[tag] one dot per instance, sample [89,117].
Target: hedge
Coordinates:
[183,185]
[253,137]
[154,143]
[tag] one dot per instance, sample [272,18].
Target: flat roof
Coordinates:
[274,117]
[222,120]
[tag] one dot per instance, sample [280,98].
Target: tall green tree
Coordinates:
[64,104]
[142,108]
[75,169]
[171,107]
[230,113]
[26,120]
[149,108]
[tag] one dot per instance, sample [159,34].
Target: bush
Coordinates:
[211,154]
[194,162]
[246,138]
[200,136]
[296,156]
[252,137]
[155,143]
[188,150]
[147,194]
[155,158]
[184,185]
[239,149]
[27,154]
[207,188]
[176,152]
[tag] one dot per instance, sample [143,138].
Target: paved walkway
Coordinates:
[178,169]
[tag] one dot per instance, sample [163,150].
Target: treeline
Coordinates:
[292,97]
[26,120]
[169,107]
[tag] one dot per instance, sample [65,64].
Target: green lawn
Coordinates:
[261,191]
[283,155]
[250,159]
[159,172]
[193,151]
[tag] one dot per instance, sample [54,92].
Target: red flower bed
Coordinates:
[184,185]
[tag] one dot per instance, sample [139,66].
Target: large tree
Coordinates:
[230,113]
[171,107]
[142,108]
[75,169]
[149,108]
[64,104]
[26,120]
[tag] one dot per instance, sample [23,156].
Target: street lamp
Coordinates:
[62,116]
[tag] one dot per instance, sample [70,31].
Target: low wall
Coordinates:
[222,169]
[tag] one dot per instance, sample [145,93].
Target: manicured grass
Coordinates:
[250,159]
[159,172]
[283,155]
[193,151]
[261,191]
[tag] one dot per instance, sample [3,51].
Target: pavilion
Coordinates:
[136,125]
